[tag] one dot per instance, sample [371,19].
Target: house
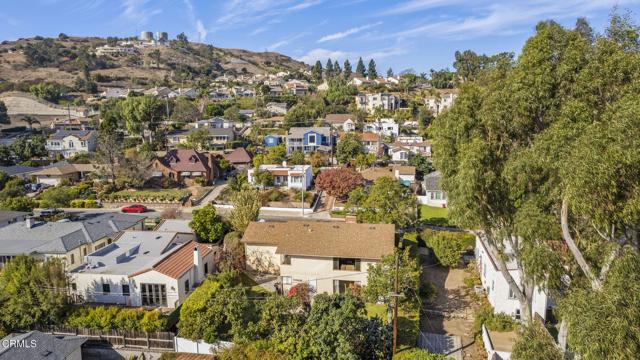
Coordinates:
[331,257]
[161,92]
[239,158]
[440,102]
[246,113]
[69,241]
[8,217]
[185,166]
[297,87]
[242,92]
[291,177]
[309,139]
[401,151]
[72,124]
[370,102]
[218,138]
[71,142]
[54,175]
[115,93]
[405,174]
[323,87]
[35,345]
[497,289]
[179,226]
[341,122]
[219,94]
[359,81]
[372,143]
[385,127]
[277,108]
[216,122]
[271,140]
[433,191]
[144,268]
[115,50]
[186,92]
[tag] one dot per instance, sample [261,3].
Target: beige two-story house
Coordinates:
[331,257]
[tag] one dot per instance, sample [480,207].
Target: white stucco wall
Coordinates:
[262,258]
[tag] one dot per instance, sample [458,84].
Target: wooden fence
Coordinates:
[116,338]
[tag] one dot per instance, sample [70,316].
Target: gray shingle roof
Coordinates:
[300,131]
[61,237]
[10,215]
[432,181]
[47,346]
[80,134]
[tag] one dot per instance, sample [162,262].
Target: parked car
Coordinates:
[135,208]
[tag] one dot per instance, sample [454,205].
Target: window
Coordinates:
[342,286]
[73,259]
[286,280]
[83,143]
[517,314]
[125,290]
[206,268]
[74,287]
[186,286]
[153,294]
[346,264]
[511,294]
[313,284]
[312,139]
[285,259]
[70,144]
[84,252]
[106,289]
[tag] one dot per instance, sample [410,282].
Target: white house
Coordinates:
[54,175]
[400,151]
[497,289]
[385,127]
[144,268]
[291,177]
[440,102]
[370,102]
[341,122]
[187,92]
[71,142]
[217,122]
[434,195]
[331,257]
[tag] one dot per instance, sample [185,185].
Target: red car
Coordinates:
[136,208]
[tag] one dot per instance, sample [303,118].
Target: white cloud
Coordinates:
[198,25]
[322,54]
[343,34]
[418,5]
[257,31]
[242,12]
[137,11]
[286,41]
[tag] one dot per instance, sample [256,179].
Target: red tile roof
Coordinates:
[181,261]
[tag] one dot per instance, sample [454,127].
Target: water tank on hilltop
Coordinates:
[146,36]
[162,36]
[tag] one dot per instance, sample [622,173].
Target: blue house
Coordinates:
[309,139]
[272,140]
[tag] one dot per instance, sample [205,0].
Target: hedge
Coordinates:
[153,195]
[86,204]
[107,318]
[448,246]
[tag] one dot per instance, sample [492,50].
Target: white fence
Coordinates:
[183,345]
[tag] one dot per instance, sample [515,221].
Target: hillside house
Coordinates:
[370,102]
[331,257]
[434,194]
[54,175]
[405,174]
[291,177]
[272,140]
[439,103]
[69,241]
[309,139]
[185,166]
[341,122]
[71,142]
[384,127]
[144,268]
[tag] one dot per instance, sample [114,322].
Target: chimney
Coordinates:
[30,222]
[197,264]
[284,163]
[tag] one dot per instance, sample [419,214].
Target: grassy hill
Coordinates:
[64,59]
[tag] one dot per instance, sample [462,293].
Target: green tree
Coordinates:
[388,202]
[346,73]
[198,139]
[263,178]
[246,208]
[4,117]
[389,72]
[328,70]
[31,292]
[232,113]
[448,246]
[535,343]
[336,68]
[141,113]
[316,71]
[382,275]
[371,70]
[276,154]
[349,147]
[46,91]
[417,354]
[207,224]
[26,148]
[422,164]
[215,311]
[30,120]
[360,70]
[184,110]
[297,158]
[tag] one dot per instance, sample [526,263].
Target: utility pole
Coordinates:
[395,306]
[304,185]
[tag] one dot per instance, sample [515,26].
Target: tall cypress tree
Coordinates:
[328,71]
[372,69]
[336,68]
[360,71]
[316,71]
[347,69]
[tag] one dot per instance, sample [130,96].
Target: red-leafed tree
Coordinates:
[301,291]
[339,182]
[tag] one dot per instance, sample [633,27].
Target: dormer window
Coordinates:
[193,159]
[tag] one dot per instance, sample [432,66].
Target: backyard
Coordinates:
[434,215]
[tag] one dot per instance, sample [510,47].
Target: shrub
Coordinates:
[91,204]
[417,354]
[107,318]
[448,246]
[494,322]
[428,291]
[78,203]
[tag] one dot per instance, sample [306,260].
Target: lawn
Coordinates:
[408,324]
[434,215]
[149,195]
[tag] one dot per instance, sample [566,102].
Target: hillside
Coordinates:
[62,60]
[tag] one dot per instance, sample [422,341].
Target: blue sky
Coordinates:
[418,34]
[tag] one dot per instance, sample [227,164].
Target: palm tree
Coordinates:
[30,120]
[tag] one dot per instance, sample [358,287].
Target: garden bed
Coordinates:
[148,196]
[274,198]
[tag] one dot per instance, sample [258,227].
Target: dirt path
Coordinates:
[451,311]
